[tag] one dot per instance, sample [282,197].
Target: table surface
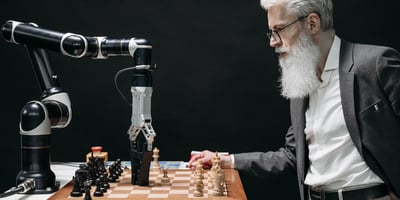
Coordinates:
[65,171]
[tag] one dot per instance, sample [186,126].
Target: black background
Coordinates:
[215,86]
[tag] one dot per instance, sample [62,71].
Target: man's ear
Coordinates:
[313,23]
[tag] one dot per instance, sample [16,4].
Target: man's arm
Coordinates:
[262,163]
[389,78]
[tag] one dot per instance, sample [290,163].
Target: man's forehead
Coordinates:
[278,11]
[278,15]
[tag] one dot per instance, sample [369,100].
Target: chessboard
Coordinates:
[181,186]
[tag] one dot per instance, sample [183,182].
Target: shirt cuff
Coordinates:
[232,161]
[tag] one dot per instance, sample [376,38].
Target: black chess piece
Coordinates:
[99,190]
[82,175]
[118,167]
[87,191]
[76,190]
[104,181]
[111,177]
[112,174]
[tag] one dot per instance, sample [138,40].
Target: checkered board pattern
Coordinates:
[181,186]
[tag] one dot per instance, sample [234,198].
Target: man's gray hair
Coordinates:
[324,8]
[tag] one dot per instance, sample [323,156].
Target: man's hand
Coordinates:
[206,157]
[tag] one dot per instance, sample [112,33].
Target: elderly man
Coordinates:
[344,104]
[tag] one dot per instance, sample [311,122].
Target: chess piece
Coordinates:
[99,192]
[165,178]
[156,155]
[87,190]
[198,180]
[113,173]
[198,187]
[117,167]
[218,176]
[104,179]
[76,190]
[199,171]
[216,162]
[218,185]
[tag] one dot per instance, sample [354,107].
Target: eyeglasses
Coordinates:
[275,33]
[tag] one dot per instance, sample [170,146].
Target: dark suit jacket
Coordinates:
[370,93]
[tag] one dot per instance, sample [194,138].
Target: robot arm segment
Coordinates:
[70,44]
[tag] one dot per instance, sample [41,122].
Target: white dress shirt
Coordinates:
[335,162]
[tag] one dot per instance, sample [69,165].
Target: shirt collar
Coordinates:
[332,62]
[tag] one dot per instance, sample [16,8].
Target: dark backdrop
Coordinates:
[215,87]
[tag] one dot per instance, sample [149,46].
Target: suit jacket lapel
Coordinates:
[298,108]
[346,77]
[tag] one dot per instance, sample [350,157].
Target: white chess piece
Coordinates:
[156,155]
[218,176]
[218,189]
[198,186]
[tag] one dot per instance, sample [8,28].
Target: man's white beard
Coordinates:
[299,68]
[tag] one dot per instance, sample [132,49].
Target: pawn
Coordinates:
[104,179]
[165,178]
[99,190]
[76,190]
[112,177]
[87,191]
[199,186]
[199,170]
[116,169]
[198,183]
[119,166]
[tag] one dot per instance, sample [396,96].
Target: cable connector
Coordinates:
[27,185]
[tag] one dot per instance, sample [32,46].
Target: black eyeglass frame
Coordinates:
[273,33]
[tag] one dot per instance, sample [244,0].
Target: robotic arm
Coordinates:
[54,108]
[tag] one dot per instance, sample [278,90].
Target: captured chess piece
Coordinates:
[156,155]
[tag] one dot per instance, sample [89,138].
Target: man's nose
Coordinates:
[274,43]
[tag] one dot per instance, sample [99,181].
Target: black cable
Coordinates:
[116,83]
[11,191]
[24,187]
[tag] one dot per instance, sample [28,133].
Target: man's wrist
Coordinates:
[228,162]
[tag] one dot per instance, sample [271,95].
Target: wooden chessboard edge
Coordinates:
[235,190]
